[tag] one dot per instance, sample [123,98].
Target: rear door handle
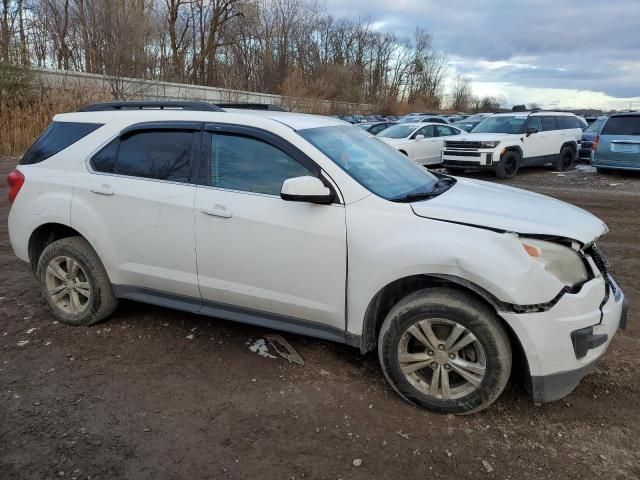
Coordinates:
[101,189]
[218,211]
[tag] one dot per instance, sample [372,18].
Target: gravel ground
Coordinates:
[155,393]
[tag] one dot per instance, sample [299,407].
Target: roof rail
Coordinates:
[253,106]
[151,104]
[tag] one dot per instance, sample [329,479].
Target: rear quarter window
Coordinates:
[57,137]
[629,125]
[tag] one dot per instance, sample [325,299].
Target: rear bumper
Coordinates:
[556,361]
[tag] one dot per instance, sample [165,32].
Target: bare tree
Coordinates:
[461,95]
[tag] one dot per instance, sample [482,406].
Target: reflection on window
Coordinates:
[250,165]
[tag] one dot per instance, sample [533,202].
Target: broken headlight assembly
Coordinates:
[561,261]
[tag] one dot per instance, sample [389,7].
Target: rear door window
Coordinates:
[444,131]
[158,155]
[625,125]
[566,122]
[57,137]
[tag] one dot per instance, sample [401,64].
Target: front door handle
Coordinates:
[101,189]
[218,211]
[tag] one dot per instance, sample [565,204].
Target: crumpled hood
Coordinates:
[484,137]
[486,204]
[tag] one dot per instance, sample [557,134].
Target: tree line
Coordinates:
[287,47]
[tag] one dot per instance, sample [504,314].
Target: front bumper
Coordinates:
[546,337]
[469,158]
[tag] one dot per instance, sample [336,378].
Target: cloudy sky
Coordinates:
[557,53]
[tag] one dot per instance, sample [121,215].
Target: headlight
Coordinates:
[562,262]
[489,144]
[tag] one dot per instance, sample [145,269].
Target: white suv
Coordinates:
[309,225]
[504,142]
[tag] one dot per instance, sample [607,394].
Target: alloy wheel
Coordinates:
[67,285]
[442,358]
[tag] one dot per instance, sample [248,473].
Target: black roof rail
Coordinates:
[152,104]
[253,106]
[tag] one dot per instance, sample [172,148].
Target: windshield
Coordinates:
[372,163]
[397,131]
[501,124]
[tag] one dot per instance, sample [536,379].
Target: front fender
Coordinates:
[409,245]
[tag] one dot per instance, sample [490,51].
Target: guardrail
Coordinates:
[157,90]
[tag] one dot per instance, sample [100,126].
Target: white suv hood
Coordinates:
[484,137]
[486,204]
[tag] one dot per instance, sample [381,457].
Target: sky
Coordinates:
[556,53]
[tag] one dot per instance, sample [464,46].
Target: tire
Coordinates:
[509,165]
[445,309]
[565,159]
[454,170]
[70,269]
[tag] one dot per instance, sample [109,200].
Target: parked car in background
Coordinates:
[359,118]
[348,118]
[588,137]
[304,224]
[421,143]
[375,128]
[423,119]
[617,147]
[504,142]
[466,125]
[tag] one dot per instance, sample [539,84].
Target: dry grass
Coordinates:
[21,121]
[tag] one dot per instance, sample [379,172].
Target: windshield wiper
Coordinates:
[442,185]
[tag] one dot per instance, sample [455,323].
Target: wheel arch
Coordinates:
[389,295]
[513,148]
[44,235]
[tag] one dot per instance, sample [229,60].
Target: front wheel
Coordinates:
[445,350]
[509,165]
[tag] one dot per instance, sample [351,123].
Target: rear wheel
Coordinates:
[509,165]
[74,282]
[445,350]
[565,159]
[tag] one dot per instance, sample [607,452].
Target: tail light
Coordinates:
[594,144]
[15,180]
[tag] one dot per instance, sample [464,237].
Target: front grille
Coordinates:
[462,153]
[461,144]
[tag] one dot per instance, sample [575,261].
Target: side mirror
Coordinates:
[418,137]
[531,131]
[305,189]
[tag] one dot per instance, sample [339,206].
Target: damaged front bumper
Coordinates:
[565,342]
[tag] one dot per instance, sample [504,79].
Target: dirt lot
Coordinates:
[155,393]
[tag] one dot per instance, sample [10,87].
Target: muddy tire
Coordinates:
[509,165]
[74,282]
[445,350]
[565,159]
